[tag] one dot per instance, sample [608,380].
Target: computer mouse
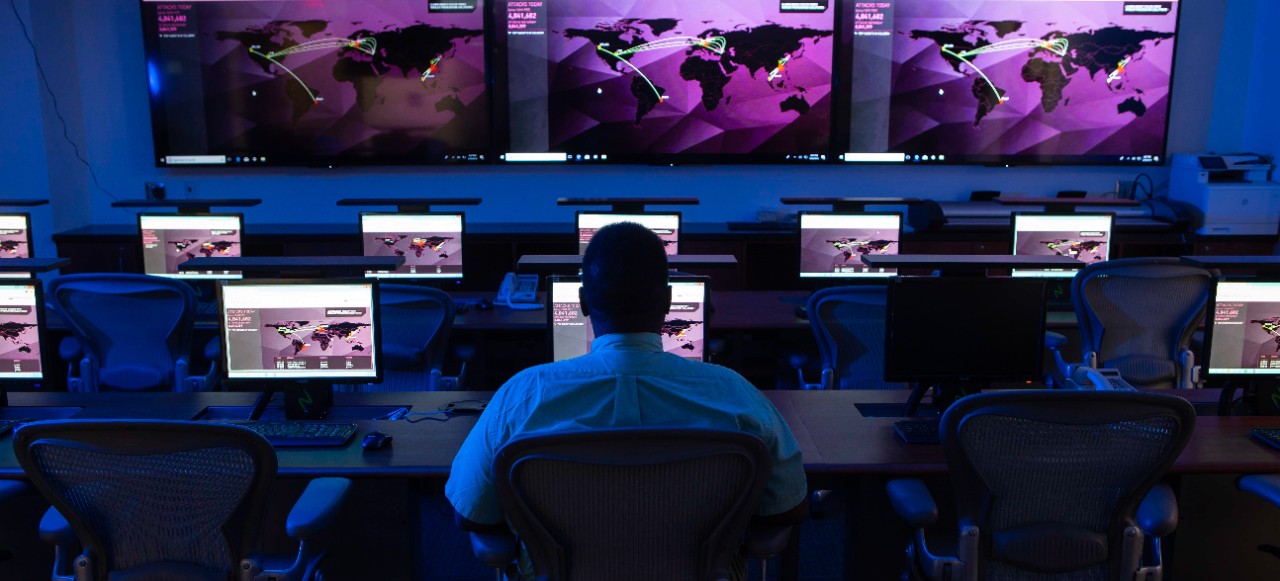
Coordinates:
[375,441]
[484,304]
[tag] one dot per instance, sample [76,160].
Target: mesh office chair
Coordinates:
[848,325]
[416,324]
[131,332]
[167,500]
[1137,315]
[1052,485]
[625,504]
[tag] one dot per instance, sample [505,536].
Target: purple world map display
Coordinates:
[1038,78]
[288,81]
[707,77]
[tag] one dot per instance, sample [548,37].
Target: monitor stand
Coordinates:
[945,393]
[302,401]
[1258,397]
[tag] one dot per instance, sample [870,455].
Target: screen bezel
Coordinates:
[160,121]
[462,243]
[577,225]
[142,252]
[258,382]
[31,250]
[1013,238]
[706,319]
[41,334]
[993,373]
[1210,327]
[841,278]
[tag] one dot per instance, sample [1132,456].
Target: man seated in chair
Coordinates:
[627,380]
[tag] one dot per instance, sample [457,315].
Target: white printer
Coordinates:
[1232,195]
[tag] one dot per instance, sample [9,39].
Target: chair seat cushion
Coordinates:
[167,571]
[132,378]
[1049,548]
[401,357]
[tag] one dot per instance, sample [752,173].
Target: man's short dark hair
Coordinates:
[624,271]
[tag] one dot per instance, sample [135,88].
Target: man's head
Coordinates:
[624,280]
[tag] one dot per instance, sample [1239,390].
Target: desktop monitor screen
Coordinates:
[431,244]
[20,331]
[832,245]
[683,334]
[15,240]
[303,330]
[1244,329]
[172,239]
[1006,81]
[252,83]
[964,329]
[666,226]
[654,81]
[1084,237]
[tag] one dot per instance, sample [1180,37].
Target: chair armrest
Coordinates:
[912,501]
[317,508]
[1054,341]
[496,549]
[1158,513]
[213,350]
[55,530]
[763,541]
[1266,486]
[70,350]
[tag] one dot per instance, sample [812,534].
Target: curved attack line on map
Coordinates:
[368,46]
[715,44]
[1058,46]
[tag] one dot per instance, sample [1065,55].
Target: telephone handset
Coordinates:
[519,292]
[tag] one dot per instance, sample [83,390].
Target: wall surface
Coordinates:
[100,83]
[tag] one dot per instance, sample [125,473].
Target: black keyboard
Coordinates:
[921,431]
[296,434]
[1268,436]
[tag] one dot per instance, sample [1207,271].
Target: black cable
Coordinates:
[44,79]
[1149,189]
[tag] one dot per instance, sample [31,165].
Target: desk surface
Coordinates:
[837,442]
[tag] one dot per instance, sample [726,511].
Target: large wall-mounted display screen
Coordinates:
[1008,81]
[315,82]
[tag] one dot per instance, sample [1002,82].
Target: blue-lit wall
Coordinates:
[93,53]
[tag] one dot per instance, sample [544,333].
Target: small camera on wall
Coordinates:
[155,190]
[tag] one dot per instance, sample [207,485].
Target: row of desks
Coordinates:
[836,440]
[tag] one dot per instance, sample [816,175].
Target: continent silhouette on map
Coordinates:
[13,331]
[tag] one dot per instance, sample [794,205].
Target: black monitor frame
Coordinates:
[41,340]
[142,252]
[1013,238]
[394,277]
[845,279]
[309,397]
[674,278]
[577,224]
[31,249]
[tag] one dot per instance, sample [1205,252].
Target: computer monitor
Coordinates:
[964,330]
[292,333]
[1244,329]
[1084,237]
[15,240]
[665,225]
[431,244]
[684,333]
[832,245]
[169,240]
[21,331]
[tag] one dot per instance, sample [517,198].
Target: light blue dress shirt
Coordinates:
[626,381]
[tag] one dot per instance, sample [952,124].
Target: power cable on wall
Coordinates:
[44,79]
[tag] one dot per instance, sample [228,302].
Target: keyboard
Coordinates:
[288,434]
[1268,436]
[917,431]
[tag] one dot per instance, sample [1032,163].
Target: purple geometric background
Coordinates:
[9,349]
[933,107]
[593,108]
[250,109]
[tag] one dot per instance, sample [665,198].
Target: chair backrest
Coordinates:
[632,503]
[1138,315]
[162,498]
[848,325]
[416,324]
[1052,478]
[135,327]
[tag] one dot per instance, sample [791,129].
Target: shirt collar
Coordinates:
[627,342]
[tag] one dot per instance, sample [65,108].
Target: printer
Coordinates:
[1231,195]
